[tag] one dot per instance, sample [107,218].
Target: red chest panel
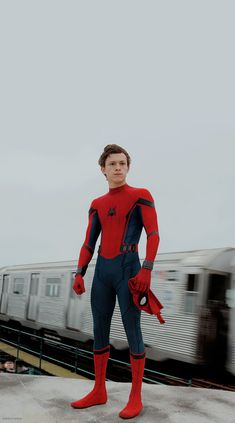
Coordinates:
[113,211]
[120,216]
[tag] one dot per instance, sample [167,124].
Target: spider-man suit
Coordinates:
[120,216]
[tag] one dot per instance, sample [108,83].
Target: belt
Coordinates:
[129,248]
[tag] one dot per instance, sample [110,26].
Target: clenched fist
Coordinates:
[78,284]
[141,282]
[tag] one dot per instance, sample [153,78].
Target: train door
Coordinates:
[215,321]
[75,308]
[4,297]
[33,297]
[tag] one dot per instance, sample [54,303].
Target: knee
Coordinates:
[101,323]
[131,319]
[101,330]
[131,325]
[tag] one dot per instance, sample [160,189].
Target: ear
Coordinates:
[103,171]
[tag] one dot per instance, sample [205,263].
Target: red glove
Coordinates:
[78,284]
[141,282]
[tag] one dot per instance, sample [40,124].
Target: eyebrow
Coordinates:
[117,161]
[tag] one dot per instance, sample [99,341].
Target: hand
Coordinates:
[141,282]
[78,285]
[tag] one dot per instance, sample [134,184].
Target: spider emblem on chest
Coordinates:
[112,211]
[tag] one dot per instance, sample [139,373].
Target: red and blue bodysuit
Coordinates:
[120,215]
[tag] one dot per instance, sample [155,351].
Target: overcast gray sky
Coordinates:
[156,77]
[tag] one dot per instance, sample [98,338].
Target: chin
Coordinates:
[119,180]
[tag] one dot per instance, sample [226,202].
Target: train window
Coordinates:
[18,286]
[192,283]
[191,293]
[53,287]
[34,284]
[217,286]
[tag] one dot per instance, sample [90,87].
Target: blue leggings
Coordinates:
[111,280]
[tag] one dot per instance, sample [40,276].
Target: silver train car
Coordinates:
[197,289]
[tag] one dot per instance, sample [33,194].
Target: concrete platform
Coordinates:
[46,399]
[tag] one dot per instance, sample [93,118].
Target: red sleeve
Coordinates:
[88,247]
[150,222]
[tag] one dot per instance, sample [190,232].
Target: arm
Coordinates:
[150,223]
[87,250]
[149,218]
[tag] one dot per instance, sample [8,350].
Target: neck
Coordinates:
[113,185]
[117,188]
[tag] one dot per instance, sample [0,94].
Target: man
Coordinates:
[120,216]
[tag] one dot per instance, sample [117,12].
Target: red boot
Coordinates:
[134,405]
[98,395]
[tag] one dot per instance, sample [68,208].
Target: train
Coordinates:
[196,288]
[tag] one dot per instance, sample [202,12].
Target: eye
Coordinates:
[143,300]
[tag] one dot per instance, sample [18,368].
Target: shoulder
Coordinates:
[145,193]
[97,201]
[142,193]
[144,197]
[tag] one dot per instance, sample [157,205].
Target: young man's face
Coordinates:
[115,169]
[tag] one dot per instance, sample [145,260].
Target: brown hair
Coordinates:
[113,149]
